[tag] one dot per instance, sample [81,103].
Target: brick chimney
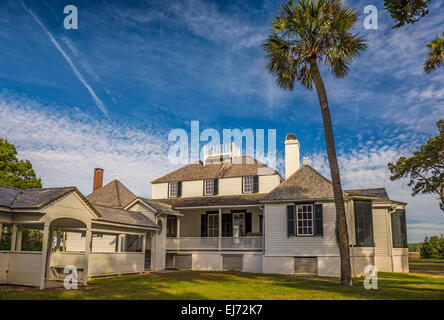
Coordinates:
[98,178]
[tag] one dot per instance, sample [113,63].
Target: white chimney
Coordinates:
[291,155]
[116,176]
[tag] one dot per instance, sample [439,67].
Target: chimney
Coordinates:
[98,178]
[291,155]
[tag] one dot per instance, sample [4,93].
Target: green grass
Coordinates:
[238,286]
[429,266]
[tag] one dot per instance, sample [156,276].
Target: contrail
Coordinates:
[98,102]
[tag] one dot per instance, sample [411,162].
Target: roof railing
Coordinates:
[220,151]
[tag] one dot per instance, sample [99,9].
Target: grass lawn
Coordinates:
[430,266]
[238,286]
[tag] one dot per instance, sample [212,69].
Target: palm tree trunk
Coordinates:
[341,221]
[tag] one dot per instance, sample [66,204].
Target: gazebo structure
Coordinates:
[56,213]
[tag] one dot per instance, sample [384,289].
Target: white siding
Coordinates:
[268,183]
[230,186]
[278,244]
[76,243]
[381,232]
[192,188]
[227,186]
[159,190]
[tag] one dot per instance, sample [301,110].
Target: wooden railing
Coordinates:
[212,243]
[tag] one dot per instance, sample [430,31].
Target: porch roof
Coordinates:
[215,201]
[123,216]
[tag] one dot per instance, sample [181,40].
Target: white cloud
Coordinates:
[366,167]
[65,148]
[79,76]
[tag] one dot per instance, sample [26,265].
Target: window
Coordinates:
[248,185]
[209,187]
[363,223]
[399,230]
[238,225]
[304,220]
[213,225]
[171,226]
[174,189]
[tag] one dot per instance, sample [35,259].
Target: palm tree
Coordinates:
[303,34]
[435,57]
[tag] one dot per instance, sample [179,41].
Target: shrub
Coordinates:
[433,247]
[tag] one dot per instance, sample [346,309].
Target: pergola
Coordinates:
[54,212]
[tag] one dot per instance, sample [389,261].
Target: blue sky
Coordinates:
[107,95]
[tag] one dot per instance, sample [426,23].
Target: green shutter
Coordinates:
[291,220]
[203,225]
[363,223]
[255,184]
[216,186]
[319,222]
[247,222]
[179,189]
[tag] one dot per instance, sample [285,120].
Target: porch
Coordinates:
[220,229]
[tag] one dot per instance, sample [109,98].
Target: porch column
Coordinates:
[86,258]
[18,246]
[178,228]
[144,243]
[1,231]
[119,243]
[13,237]
[44,255]
[58,239]
[220,230]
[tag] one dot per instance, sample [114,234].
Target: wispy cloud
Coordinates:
[366,167]
[64,148]
[79,76]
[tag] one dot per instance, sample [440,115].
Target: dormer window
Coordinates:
[174,189]
[250,184]
[210,187]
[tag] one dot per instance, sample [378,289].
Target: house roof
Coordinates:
[15,198]
[247,166]
[113,194]
[305,183]
[215,201]
[123,216]
[379,193]
[160,206]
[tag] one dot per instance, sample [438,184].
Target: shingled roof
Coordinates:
[216,201]
[160,206]
[247,166]
[305,183]
[123,216]
[113,194]
[15,198]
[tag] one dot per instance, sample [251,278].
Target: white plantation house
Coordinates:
[228,212]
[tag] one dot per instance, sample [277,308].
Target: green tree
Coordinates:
[409,12]
[433,247]
[14,172]
[435,56]
[406,11]
[425,168]
[304,34]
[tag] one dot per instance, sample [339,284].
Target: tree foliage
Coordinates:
[435,56]
[425,168]
[406,11]
[307,31]
[433,247]
[14,172]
